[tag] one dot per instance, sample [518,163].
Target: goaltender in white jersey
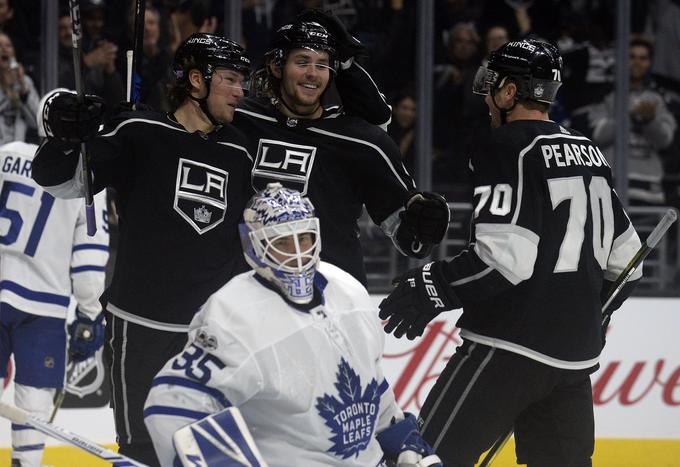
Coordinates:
[46,261]
[297,346]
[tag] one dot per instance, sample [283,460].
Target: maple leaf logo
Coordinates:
[352,417]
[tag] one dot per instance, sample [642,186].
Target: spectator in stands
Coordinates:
[495,37]
[154,65]
[18,96]
[99,69]
[457,113]
[189,17]
[13,23]
[652,128]
[403,126]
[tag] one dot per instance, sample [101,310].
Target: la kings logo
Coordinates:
[287,163]
[201,194]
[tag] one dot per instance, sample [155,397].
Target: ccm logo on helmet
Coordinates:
[317,33]
[430,288]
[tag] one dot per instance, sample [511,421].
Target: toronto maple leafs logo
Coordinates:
[352,418]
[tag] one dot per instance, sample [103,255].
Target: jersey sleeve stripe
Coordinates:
[44,297]
[86,268]
[142,120]
[371,145]
[510,249]
[624,247]
[196,386]
[474,277]
[173,411]
[90,246]
[236,146]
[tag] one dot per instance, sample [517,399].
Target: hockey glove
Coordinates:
[401,442]
[424,223]
[86,336]
[420,295]
[348,46]
[70,122]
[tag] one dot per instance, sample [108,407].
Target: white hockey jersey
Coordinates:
[309,384]
[46,256]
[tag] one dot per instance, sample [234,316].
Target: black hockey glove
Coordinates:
[421,294]
[86,336]
[348,46]
[69,122]
[424,223]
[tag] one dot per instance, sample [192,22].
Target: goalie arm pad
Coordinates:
[423,224]
[220,439]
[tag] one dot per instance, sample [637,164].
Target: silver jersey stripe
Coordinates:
[149,323]
[369,144]
[142,120]
[463,396]
[444,391]
[123,353]
[527,352]
[256,115]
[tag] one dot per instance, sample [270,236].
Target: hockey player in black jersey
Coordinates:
[182,181]
[340,161]
[548,236]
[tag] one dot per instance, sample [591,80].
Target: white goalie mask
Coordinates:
[281,241]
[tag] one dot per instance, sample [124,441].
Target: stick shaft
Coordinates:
[21,417]
[137,50]
[77,36]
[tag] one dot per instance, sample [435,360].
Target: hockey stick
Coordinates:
[21,417]
[134,77]
[77,36]
[623,278]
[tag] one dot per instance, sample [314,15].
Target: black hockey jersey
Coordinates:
[548,230]
[181,196]
[340,162]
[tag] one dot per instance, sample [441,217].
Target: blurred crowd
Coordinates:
[465,33]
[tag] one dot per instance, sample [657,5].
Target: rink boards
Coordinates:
[636,391]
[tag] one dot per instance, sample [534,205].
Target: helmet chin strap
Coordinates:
[503,112]
[203,104]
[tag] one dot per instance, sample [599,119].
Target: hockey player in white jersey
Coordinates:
[295,345]
[46,261]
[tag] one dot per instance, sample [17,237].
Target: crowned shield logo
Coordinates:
[201,194]
[286,163]
[352,417]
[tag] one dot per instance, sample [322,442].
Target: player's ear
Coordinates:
[275,69]
[195,78]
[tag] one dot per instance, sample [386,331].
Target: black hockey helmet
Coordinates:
[533,65]
[302,35]
[206,52]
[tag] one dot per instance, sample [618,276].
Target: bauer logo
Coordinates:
[286,163]
[201,194]
[352,417]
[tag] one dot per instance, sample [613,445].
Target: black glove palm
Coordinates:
[70,122]
[348,46]
[424,223]
[421,294]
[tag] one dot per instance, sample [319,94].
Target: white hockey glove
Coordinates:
[221,439]
[401,442]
